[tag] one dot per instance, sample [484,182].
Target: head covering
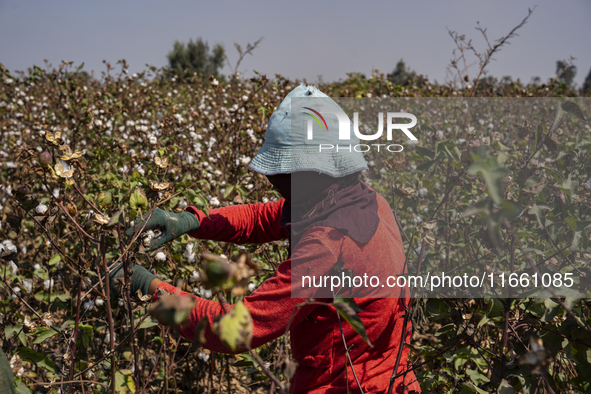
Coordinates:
[288,149]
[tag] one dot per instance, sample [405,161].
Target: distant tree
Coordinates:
[536,81]
[566,72]
[403,75]
[196,57]
[587,84]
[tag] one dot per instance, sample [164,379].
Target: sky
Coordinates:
[302,39]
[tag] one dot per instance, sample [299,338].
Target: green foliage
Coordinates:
[566,72]
[402,75]
[196,57]
[587,85]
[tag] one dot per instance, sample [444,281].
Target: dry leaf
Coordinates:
[535,188]
[100,219]
[30,326]
[524,130]
[405,191]
[159,186]
[63,170]
[46,319]
[69,155]
[161,162]
[54,138]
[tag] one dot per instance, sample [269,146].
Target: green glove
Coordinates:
[139,279]
[171,225]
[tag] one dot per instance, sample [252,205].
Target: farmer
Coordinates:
[335,224]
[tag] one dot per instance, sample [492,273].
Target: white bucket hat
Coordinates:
[287,146]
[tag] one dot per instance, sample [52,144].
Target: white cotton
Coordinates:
[99,301]
[417,220]
[160,256]
[214,202]
[28,283]
[47,283]
[16,290]
[251,287]
[195,276]
[189,255]
[41,209]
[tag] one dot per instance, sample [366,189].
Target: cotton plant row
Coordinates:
[96,155]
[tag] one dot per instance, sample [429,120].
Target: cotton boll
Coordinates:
[214,202]
[13,267]
[160,256]
[189,255]
[16,290]
[203,356]
[28,283]
[41,209]
[47,283]
[195,277]
[422,192]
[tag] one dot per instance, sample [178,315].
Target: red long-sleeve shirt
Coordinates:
[316,340]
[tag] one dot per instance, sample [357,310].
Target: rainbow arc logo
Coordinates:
[316,119]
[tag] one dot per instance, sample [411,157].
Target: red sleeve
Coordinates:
[270,306]
[248,223]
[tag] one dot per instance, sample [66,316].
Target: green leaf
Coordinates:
[40,359]
[55,259]
[138,200]
[44,333]
[118,217]
[537,210]
[235,327]
[228,191]
[482,206]
[21,388]
[469,387]
[425,152]
[10,330]
[348,309]
[552,309]
[511,210]
[505,388]
[148,323]
[6,376]
[492,174]
[573,109]
[124,381]
[426,166]
[477,377]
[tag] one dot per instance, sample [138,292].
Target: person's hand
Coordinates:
[170,225]
[139,279]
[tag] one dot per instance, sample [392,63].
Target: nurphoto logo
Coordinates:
[345,130]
